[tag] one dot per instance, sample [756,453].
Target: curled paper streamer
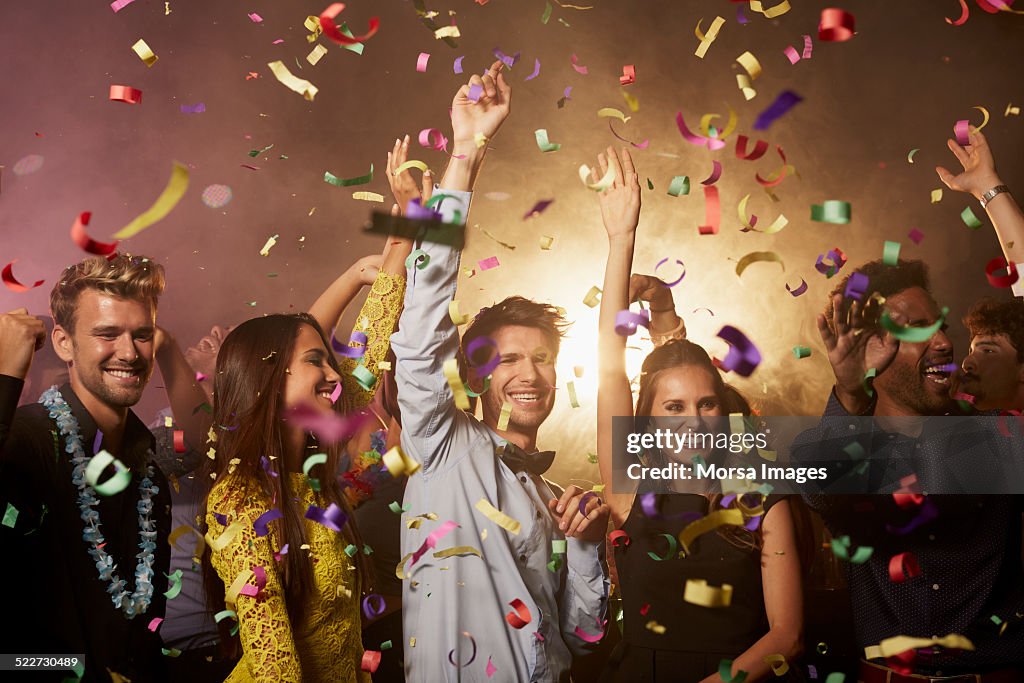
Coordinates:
[799,290]
[603,184]
[619,538]
[543,143]
[627,322]
[451,373]
[472,655]
[841,547]
[520,616]
[174,584]
[332,179]
[673,547]
[903,566]
[912,334]
[856,286]
[671,283]
[831,211]
[487,367]
[333,32]
[680,185]
[498,517]
[86,243]
[292,82]
[836,25]
[116,483]
[231,596]
[219,543]
[716,173]
[628,76]
[333,517]
[592,297]
[707,523]
[432,539]
[397,462]
[261,522]
[125,93]
[725,672]
[12,282]
[145,52]
[536,71]
[996,264]
[899,644]
[698,592]
[504,417]
[760,147]
[743,356]
[778,664]
[168,199]
[458,551]
[712,212]
[307,465]
[969,219]
[370,661]
[758,256]
[576,65]
[709,37]
[891,253]
[355,348]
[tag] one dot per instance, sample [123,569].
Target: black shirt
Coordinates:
[54,601]
[10,390]
[971,579]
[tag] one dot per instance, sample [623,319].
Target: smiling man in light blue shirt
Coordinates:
[464,616]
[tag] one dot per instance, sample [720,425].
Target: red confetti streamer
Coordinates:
[371,658]
[760,147]
[124,93]
[903,566]
[332,31]
[86,243]
[12,282]
[712,212]
[964,14]
[716,173]
[619,538]
[628,75]
[520,617]
[179,441]
[1001,281]
[836,25]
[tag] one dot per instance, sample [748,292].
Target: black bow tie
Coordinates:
[517,460]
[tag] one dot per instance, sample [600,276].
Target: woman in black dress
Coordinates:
[676,628]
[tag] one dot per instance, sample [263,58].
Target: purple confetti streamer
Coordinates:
[536,71]
[260,525]
[786,100]
[193,108]
[332,518]
[743,357]
[358,338]
[457,64]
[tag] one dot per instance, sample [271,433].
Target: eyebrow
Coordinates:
[316,352]
[116,329]
[986,342]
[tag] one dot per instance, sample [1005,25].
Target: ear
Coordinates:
[63,345]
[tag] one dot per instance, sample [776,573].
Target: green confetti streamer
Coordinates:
[547,13]
[650,185]
[175,587]
[725,672]
[673,546]
[351,550]
[332,179]
[831,211]
[841,547]
[10,516]
[386,645]
[365,378]
[544,143]
[801,351]
[969,219]
[866,381]
[358,47]
[679,185]
[913,334]
[891,253]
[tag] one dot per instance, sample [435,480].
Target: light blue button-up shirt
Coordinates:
[443,599]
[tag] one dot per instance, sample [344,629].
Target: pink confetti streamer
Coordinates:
[256,19]
[431,540]
[421,61]
[575,65]
[962,132]
[716,173]
[119,5]
[488,263]
[808,47]
[791,54]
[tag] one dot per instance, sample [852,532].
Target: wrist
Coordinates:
[985,184]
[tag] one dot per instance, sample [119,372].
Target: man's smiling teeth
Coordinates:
[938,373]
[525,397]
[123,374]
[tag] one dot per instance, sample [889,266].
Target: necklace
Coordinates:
[130,604]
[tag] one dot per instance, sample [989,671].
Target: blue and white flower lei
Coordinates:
[138,602]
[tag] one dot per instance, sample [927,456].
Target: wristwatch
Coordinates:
[991,194]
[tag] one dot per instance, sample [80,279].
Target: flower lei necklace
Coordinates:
[130,604]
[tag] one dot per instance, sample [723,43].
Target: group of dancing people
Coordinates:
[257,509]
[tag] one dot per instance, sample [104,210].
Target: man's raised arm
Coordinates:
[426,336]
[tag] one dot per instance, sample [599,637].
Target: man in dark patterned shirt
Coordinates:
[964,606]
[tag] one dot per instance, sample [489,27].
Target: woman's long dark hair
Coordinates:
[678,353]
[248,419]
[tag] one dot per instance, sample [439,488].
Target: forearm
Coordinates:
[329,306]
[461,174]
[1008,222]
[615,298]
[394,261]
[778,641]
[184,394]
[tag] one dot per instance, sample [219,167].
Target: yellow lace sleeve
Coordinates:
[269,652]
[377,321]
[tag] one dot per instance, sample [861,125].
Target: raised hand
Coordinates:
[650,289]
[403,186]
[620,202]
[853,349]
[484,115]
[21,335]
[979,174]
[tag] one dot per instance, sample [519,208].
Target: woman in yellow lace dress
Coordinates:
[289,560]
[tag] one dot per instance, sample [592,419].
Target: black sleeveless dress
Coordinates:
[696,638]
